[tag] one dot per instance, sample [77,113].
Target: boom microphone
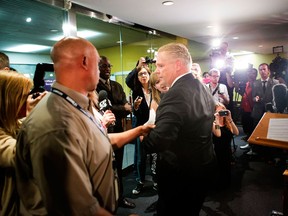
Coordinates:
[104,102]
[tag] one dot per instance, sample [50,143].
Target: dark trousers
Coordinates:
[223,155]
[181,193]
[119,153]
[247,123]
[141,158]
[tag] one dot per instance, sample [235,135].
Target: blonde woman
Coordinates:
[14,105]
[224,129]
[157,89]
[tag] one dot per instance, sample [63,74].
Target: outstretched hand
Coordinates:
[146,129]
[32,102]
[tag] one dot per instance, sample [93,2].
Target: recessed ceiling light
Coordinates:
[167,3]
[24,48]
[28,19]
[88,33]
[81,33]
[235,38]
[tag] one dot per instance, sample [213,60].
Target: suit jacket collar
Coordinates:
[189,72]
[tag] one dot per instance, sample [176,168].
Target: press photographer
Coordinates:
[222,60]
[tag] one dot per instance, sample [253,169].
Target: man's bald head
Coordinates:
[76,63]
[70,48]
[4,61]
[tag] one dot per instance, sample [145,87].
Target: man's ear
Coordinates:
[85,62]
[178,64]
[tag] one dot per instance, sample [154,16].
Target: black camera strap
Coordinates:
[215,90]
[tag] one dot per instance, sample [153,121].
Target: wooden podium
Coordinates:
[259,137]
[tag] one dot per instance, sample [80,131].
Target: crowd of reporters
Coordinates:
[28,193]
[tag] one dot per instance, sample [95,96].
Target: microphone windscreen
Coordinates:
[102,95]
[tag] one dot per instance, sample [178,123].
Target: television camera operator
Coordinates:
[279,69]
[224,61]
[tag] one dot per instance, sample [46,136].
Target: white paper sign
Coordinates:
[278,129]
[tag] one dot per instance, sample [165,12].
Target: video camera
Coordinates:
[279,68]
[39,81]
[149,60]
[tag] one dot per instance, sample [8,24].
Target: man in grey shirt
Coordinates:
[64,155]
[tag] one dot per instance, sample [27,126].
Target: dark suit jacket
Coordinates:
[257,90]
[118,98]
[182,135]
[130,78]
[142,114]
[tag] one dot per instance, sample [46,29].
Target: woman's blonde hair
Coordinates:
[155,92]
[226,123]
[14,90]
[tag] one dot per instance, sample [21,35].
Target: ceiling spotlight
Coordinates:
[167,3]
[28,19]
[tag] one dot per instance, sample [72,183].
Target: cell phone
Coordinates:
[223,113]
[138,98]
[35,95]
[221,93]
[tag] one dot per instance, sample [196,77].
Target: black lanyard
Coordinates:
[77,106]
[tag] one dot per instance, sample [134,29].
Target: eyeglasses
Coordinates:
[105,66]
[142,74]
[214,76]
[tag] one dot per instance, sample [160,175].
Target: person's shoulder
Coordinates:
[275,81]
[114,82]
[4,137]
[229,56]
[258,81]
[221,85]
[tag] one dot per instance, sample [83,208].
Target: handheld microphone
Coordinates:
[104,103]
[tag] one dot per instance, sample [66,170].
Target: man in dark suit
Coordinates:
[262,95]
[262,92]
[121,108]
[182,136]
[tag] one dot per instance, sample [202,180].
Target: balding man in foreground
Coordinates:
[64,155]
[4,61]
[182,136]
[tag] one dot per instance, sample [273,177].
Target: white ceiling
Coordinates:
[259,24]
